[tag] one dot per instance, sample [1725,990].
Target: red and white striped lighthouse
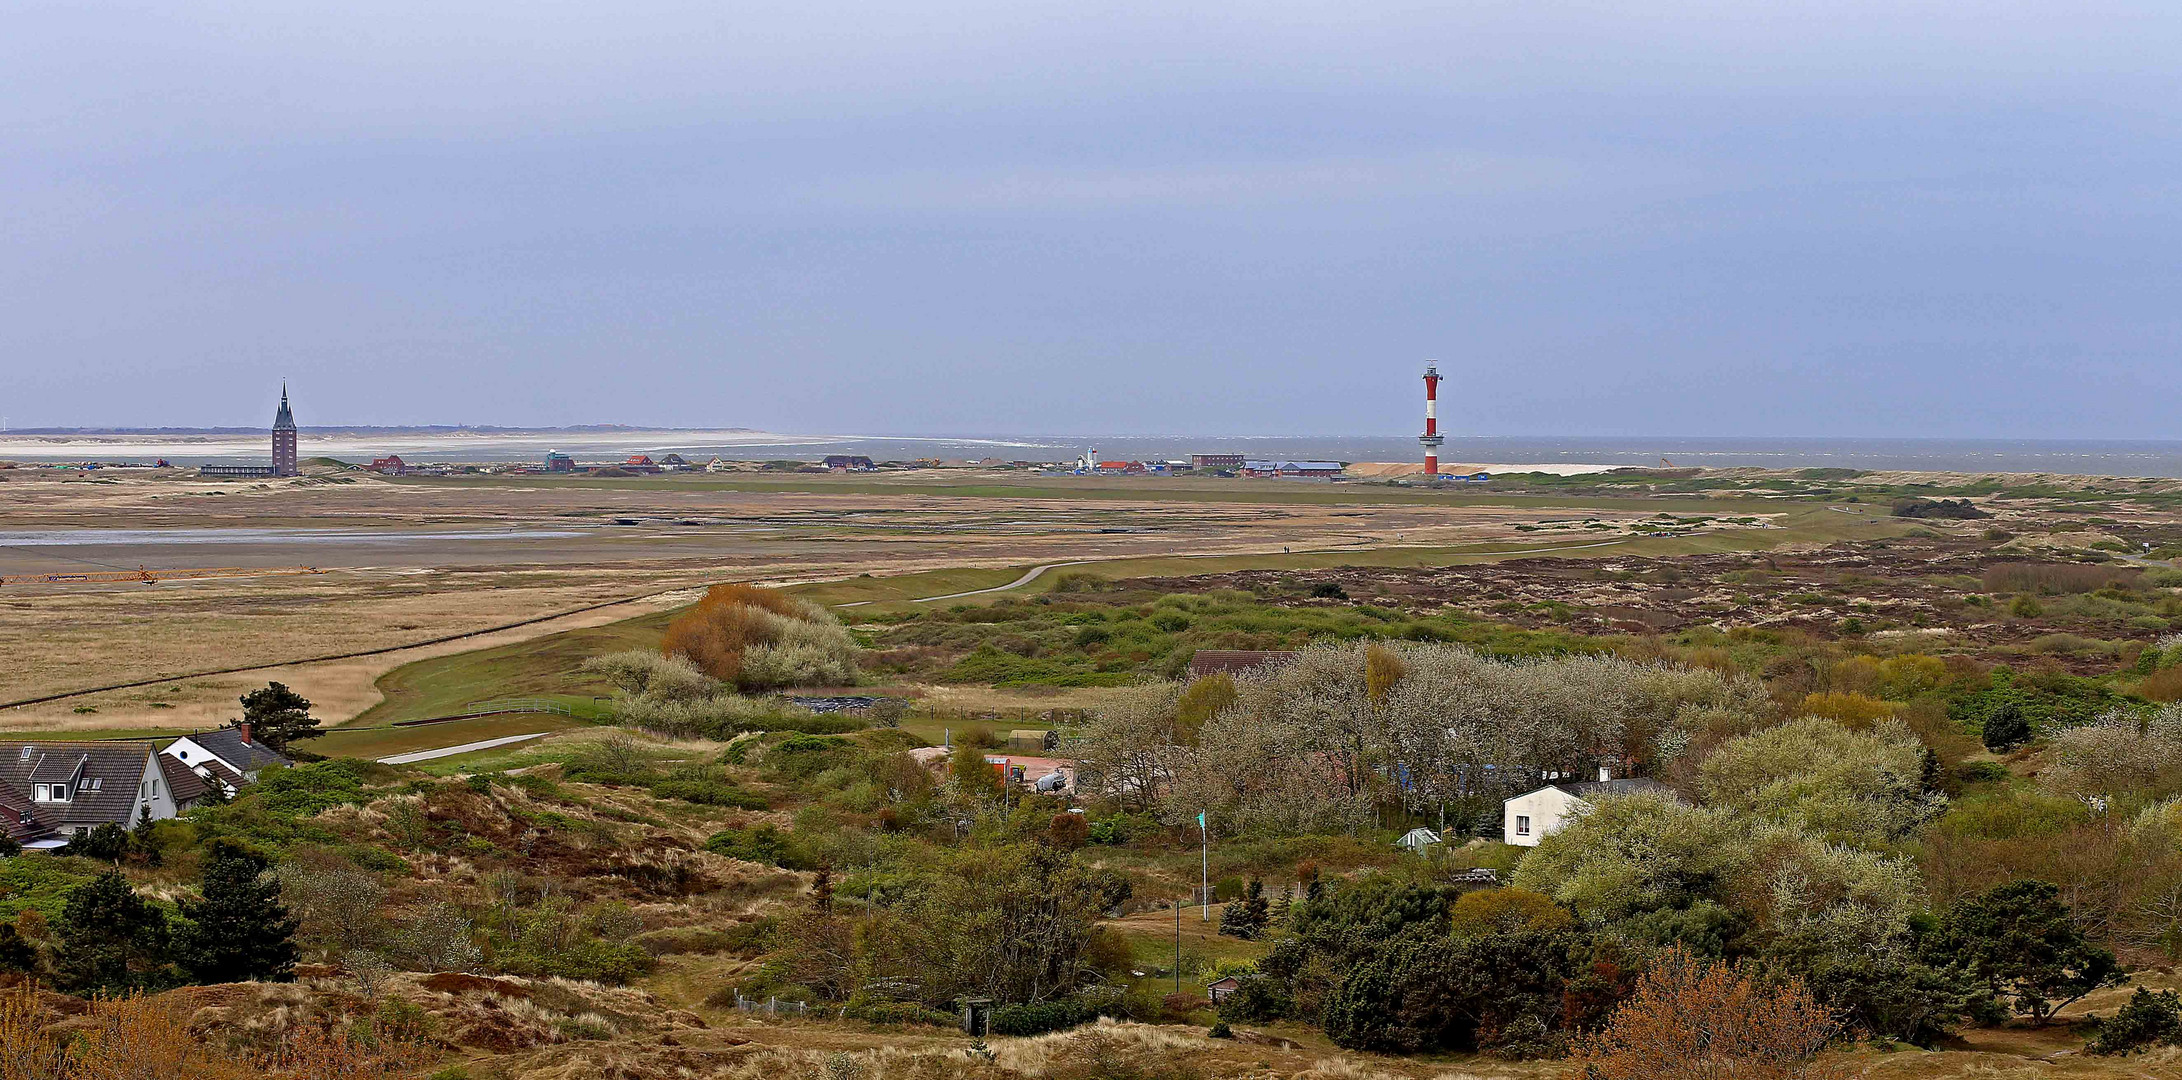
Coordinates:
[1431,438]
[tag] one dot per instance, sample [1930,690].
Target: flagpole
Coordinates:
[1204,870]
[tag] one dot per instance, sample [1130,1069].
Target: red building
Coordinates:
[390,465]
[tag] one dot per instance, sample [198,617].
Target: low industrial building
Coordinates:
[1310,470]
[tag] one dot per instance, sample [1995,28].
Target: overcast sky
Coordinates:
[1734,218]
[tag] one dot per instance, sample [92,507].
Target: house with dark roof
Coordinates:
[1535,815]
[51,791]
[228,757]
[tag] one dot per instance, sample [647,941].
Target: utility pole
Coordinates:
[1178,946]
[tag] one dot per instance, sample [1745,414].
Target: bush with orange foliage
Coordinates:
[734,627]
[1696,1019]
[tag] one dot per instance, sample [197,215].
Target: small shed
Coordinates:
[1031,741]
[1417,840]
[1222,989]
[977,1016]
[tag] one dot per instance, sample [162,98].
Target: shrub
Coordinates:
[2006,728]
[1753,1030]
[304,790]
[898,1012]
[590,959]
[1041,1017]
[1954,509]
[2056,579]
[757,638]
[2148,1019]
[761,844]
[1257,1000]
[708,791]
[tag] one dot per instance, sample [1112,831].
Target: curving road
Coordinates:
[450,751]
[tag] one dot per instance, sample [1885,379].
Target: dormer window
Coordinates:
[49,792]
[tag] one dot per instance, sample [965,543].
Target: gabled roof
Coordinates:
[228,745]
[182,783]
[223,774]
[106,776]
[59,764]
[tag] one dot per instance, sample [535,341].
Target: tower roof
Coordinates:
[283,420]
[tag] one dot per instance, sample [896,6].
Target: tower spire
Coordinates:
[284,448]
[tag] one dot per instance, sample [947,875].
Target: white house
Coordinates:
[228,757]
[1533,815]
[51,791]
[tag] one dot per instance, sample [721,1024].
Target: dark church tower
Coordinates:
[284,438]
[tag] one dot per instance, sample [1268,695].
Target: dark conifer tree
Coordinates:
[240,930]
[112,940]
[278,716]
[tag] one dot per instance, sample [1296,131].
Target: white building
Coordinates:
[1534,815]
[228,757]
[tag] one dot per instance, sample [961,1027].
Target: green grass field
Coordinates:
[549,666]
[541,667]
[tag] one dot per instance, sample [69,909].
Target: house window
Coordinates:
[49,792]
[1522,824]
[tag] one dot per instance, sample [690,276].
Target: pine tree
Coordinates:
[278,716]
[112,940]
[240,930]
[141,840]
[1246,918]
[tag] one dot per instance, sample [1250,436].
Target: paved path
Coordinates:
[450,751]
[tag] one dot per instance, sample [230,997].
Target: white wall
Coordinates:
[1546,808]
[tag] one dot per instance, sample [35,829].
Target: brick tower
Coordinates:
[284,438]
